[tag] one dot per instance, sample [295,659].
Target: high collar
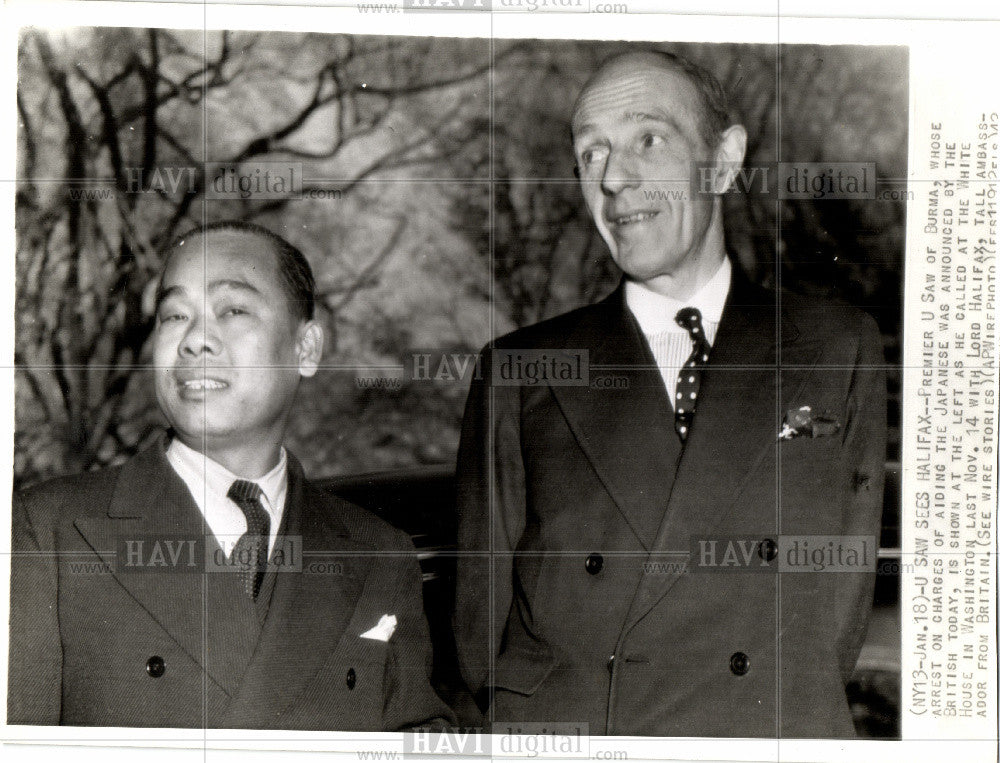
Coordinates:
[209,483]
[218,477]
[655,312]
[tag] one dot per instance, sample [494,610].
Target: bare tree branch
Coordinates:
[150,79]
[109,131]
[27,193]
[364,278]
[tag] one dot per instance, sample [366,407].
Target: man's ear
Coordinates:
[729,153]
[309,347]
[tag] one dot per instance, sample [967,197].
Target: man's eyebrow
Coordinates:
[657,116]
[221,283]
[633,116]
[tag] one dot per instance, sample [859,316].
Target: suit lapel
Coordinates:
[636,471]
[152,505]
[308,613]
[736,425]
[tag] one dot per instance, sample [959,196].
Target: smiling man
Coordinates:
[206,582]
[624,546]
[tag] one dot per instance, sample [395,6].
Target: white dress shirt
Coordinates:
[671,343]
[209,483]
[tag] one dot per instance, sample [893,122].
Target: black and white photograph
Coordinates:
[504,391]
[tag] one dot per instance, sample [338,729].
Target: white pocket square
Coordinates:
[383,631]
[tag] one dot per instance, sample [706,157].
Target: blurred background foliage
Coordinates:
[452,213]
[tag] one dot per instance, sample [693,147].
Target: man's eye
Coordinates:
[172,317]
[592,155]
[234,310]
[649,140]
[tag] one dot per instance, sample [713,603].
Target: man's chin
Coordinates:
[639,270]
[197,434]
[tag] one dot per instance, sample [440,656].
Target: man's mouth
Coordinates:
[202,384]
[195,380]
[630,219]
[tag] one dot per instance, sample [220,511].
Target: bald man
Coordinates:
[629,550]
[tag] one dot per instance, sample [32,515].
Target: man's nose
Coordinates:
[619,173]
[201,337]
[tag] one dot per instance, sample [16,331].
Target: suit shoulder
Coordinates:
[50,496]
[549,332]
[365,526]
[828,319]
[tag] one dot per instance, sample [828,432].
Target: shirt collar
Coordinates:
[655,312]
[218,479]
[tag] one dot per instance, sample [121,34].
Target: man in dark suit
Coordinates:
[206,582]
[621,541]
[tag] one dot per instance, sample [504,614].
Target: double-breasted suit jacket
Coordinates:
[95,642]
[579,507]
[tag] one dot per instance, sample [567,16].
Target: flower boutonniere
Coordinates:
[802,421]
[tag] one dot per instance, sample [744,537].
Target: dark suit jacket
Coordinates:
[579,500]
[83,628]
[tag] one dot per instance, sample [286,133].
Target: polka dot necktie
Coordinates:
[251,549]
[689,378]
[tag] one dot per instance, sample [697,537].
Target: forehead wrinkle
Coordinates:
[232,283]
[634,94]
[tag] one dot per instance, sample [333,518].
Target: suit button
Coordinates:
[594,564]
[352,678]
[155,667]
[767,549]
[739,663]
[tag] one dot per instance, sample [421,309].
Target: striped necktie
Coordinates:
[251,549]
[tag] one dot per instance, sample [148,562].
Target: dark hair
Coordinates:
[715,109]
[297,279]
